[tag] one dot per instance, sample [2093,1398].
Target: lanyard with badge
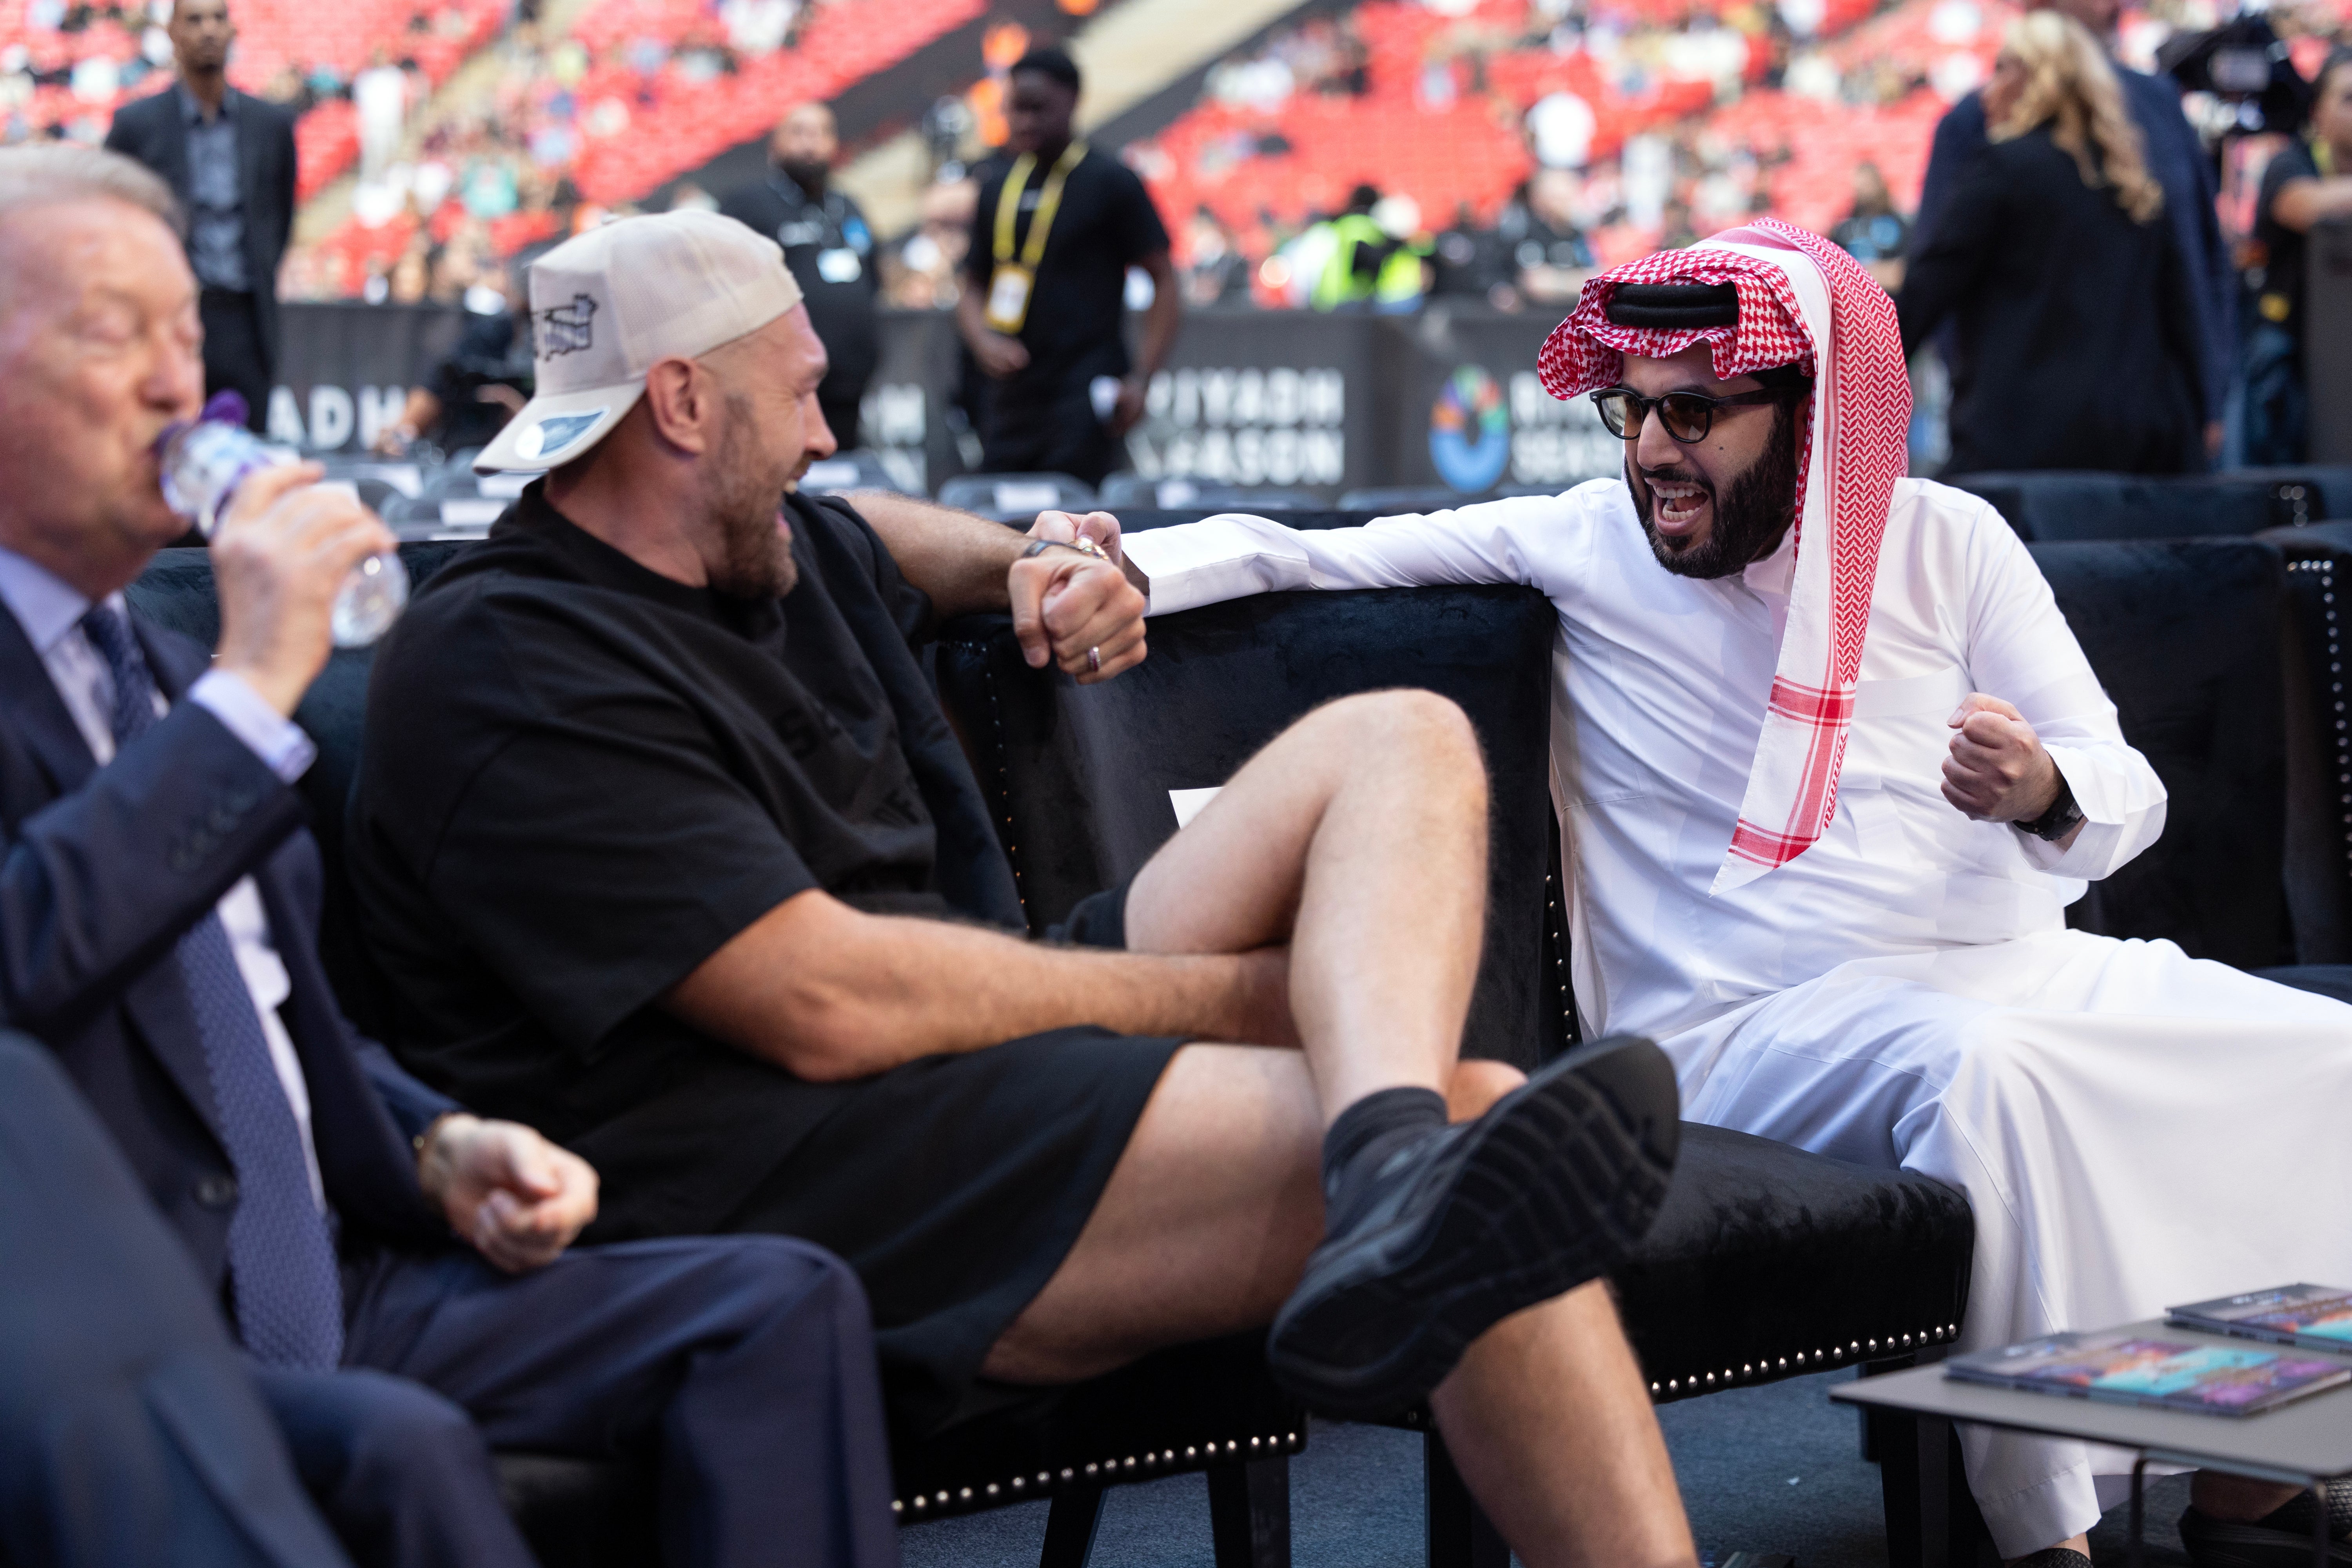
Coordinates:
[1010,282]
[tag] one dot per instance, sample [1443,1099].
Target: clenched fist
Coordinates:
[1997,770]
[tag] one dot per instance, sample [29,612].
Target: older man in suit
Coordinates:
[229,159]
[395,1268]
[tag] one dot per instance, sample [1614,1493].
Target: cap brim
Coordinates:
[553,430]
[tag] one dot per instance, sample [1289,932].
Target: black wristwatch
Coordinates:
[2059,819]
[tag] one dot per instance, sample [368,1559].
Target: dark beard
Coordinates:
[809,176]
[1749,521]
[756,562]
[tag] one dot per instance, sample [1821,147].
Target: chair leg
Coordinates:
[1460,1533]
[1968,1543]
[1070,1528]
[1900,1464]
[1249,1513]
[1931,1517]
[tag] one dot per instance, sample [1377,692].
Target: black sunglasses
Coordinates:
[1687,416]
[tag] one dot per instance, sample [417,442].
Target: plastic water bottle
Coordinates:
[206,459]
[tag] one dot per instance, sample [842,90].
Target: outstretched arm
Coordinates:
[1234,555]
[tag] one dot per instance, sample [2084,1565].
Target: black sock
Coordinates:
[1362,1137]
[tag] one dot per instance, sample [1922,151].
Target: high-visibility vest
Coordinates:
[1367,264]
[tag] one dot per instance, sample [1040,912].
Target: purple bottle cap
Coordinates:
[222,408]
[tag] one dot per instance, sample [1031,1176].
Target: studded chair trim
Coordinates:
[1121,1470]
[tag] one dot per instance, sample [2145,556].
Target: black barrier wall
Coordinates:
[1445,398]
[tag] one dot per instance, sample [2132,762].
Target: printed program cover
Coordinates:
[2316,1317]
[2138,1369]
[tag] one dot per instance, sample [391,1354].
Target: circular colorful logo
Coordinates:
[1470,430]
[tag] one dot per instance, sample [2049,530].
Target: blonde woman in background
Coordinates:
[2073,296]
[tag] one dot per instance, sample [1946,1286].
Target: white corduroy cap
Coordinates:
[608,304]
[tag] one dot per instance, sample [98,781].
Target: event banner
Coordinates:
[1445,398]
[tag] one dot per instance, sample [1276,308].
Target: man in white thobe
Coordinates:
[1845,923]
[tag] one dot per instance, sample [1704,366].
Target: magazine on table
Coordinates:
[2314,1316]
[2136,1368]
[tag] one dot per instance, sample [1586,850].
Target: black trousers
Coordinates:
[235,360]
[1048,428]
[743,1366]
[131,1432]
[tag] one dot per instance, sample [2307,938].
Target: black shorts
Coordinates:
[956,1185]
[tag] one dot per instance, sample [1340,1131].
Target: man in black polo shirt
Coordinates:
[829,249]
[662,835]
[1058,224]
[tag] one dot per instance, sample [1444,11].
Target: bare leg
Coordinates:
[1207,1219]
[1358,837]
[1549,1422]
[1203,1229]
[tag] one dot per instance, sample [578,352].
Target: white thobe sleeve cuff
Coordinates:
[2122,803]
[276,740]
[1219,558]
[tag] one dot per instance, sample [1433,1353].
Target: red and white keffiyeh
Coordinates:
[1797,292]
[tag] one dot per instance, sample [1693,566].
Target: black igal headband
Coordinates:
[1674,307]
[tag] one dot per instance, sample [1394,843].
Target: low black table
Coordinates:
[2307,1443]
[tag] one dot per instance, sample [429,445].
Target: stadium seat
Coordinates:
[862,470]
[1396,500]
[2075,506]
[1016,497]
[1132,489]
[2319,745]
[2187,638]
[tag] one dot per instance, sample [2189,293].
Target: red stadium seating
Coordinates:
[331,40]
[1801,150]
[675,122]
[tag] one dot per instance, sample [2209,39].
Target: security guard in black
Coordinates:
[829,248]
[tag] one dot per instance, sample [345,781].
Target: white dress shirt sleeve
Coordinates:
[2021,649]
[274,737]
[1233,555]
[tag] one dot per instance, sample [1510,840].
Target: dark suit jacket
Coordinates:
[2177,161]
[2082,328]
[101,871]
[152,130]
